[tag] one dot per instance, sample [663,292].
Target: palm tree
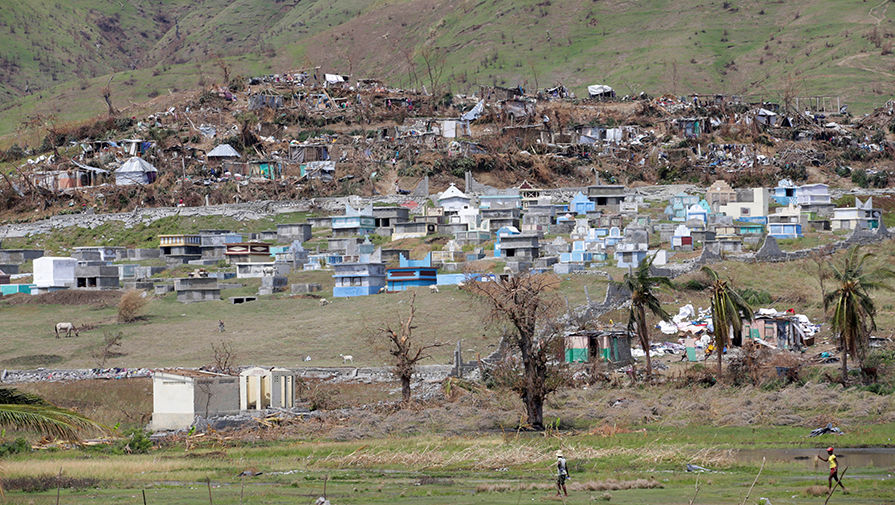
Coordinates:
[28,412]
[854,313]
[728,311]
[641,283]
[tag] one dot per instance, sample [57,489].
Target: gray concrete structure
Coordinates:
[521,247]
[96,276]
[197,289]
[290,232]
[19,256]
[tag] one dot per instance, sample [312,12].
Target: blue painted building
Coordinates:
[354,223]
[11,289]
[785,193]
[578,254]
[678,205]
[503,232]
[785,230]
[410,273]
[358,279]
[581,204]
[747,227]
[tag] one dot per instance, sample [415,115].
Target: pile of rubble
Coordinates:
[44,375]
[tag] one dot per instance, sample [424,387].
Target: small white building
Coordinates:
[750,203]
[860,217]
[264,388]
[453,200]
[178,396]
[54,272]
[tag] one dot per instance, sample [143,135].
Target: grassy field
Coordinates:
[642,466]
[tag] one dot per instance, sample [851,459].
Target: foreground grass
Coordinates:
[498,469]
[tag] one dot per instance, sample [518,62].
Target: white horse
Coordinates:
[347,358]
[66,328]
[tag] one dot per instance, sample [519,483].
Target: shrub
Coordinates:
[695,285]
[755,297]
[136,441]
[859,177]
[130,306]
[17,446]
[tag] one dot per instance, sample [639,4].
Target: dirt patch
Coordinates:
[99,299]
[33,360]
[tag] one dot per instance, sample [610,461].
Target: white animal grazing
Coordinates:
[324,302]
[66,328]
[383,289]
[346,358]
[433,288]
[267,271]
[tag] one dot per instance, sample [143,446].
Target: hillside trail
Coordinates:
[845,62]
[879,20]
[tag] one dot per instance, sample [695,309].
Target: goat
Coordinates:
[66,328]
[347,358]
[433,288]
[383,289]
[267,271]
[324,302]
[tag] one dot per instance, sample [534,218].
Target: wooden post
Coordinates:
[59,485]
[208,481]
[144,497]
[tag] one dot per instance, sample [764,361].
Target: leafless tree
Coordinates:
[527,304]
[224,357]
[434,60]
[107,96]
[105,350]
[406,351]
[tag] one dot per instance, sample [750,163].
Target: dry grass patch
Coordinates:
[591,485]
[816,491]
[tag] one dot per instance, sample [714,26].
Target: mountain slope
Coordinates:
[760,48]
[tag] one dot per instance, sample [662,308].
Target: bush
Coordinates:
[130,306]
[755,297]
[859,177]
[17,446]
[695,285]
[136,441]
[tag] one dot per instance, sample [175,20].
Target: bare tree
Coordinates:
[406,351]
[105,350]
[434,60]
[527,303]
[224,358]
[107,96]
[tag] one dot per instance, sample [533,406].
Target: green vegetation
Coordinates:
[787,47]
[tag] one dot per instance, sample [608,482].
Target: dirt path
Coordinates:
[844,62]
[882,15]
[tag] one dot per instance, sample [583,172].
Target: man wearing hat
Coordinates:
[834,468]
[562,473]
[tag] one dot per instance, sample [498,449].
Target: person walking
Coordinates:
[562,474]
[834,468]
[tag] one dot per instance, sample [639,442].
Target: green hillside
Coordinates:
[55,56]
